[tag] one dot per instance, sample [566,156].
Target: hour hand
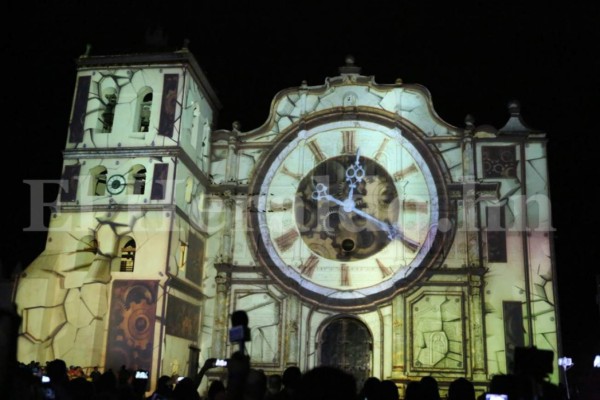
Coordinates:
[320,193]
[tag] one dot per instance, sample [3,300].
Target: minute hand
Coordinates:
[393,231]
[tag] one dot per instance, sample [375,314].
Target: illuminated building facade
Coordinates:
[355,227]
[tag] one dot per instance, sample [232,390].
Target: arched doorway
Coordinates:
[346,343]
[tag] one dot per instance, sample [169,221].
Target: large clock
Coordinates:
[346,212]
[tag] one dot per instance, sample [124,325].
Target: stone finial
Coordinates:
[515,126]
[470,121]
[349,68]
[514,107]
[88,50]
[236,126]
[186,44]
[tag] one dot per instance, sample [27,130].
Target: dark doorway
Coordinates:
[346,343]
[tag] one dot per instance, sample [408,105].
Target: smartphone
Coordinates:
[495,396]
[220,363]
[45,379]
[140,374]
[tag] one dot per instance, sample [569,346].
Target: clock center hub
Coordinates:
[341,223]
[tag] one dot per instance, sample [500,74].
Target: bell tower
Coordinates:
[121,275]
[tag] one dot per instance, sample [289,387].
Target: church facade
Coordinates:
[355,227]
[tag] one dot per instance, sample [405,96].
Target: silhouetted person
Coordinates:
[502,384]
[591,388]
[238,368]
[56,370]
[106,385]
[414,391]
[290,380]
[370,389]
[388,390]
[123,376]
[256,385]
[185,389]
[274,386]
[81,389]
[164,389]
[24,385]
[430,388]
[216,391]
[327,383]
[208,364]
[461,389]
[95,374]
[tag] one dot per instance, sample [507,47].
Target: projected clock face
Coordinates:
[116,184]
[347,211]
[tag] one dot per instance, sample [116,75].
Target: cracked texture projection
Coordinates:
[264,315]
[438,332]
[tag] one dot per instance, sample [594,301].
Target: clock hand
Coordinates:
[394,232]
[354,175]
[320,193]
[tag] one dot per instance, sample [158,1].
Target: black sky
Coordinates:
[473,56]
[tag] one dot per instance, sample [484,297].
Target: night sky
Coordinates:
[473,56]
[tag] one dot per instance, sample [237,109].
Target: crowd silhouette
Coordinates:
[56,381]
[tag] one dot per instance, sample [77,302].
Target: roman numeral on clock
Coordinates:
[379,151]
[286,204]
[308,268]
[349,145]
[413,205]
[406,171]
[316,150]
[285,241]
[385,270]
[345,275]
[291,174]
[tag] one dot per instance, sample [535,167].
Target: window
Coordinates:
[194,259]
[138,178]
[128,256]
[496,234]
[159,181]
[168,106]
[98,181]
[108,114]
[69,183]
[145,112]
[499,161]
[79,109]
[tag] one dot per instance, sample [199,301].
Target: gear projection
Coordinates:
[131,326]
[331,232]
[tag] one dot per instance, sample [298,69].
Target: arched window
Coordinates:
[138,178]
[108,114]
[128,256]
[145,111]
[98,181]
